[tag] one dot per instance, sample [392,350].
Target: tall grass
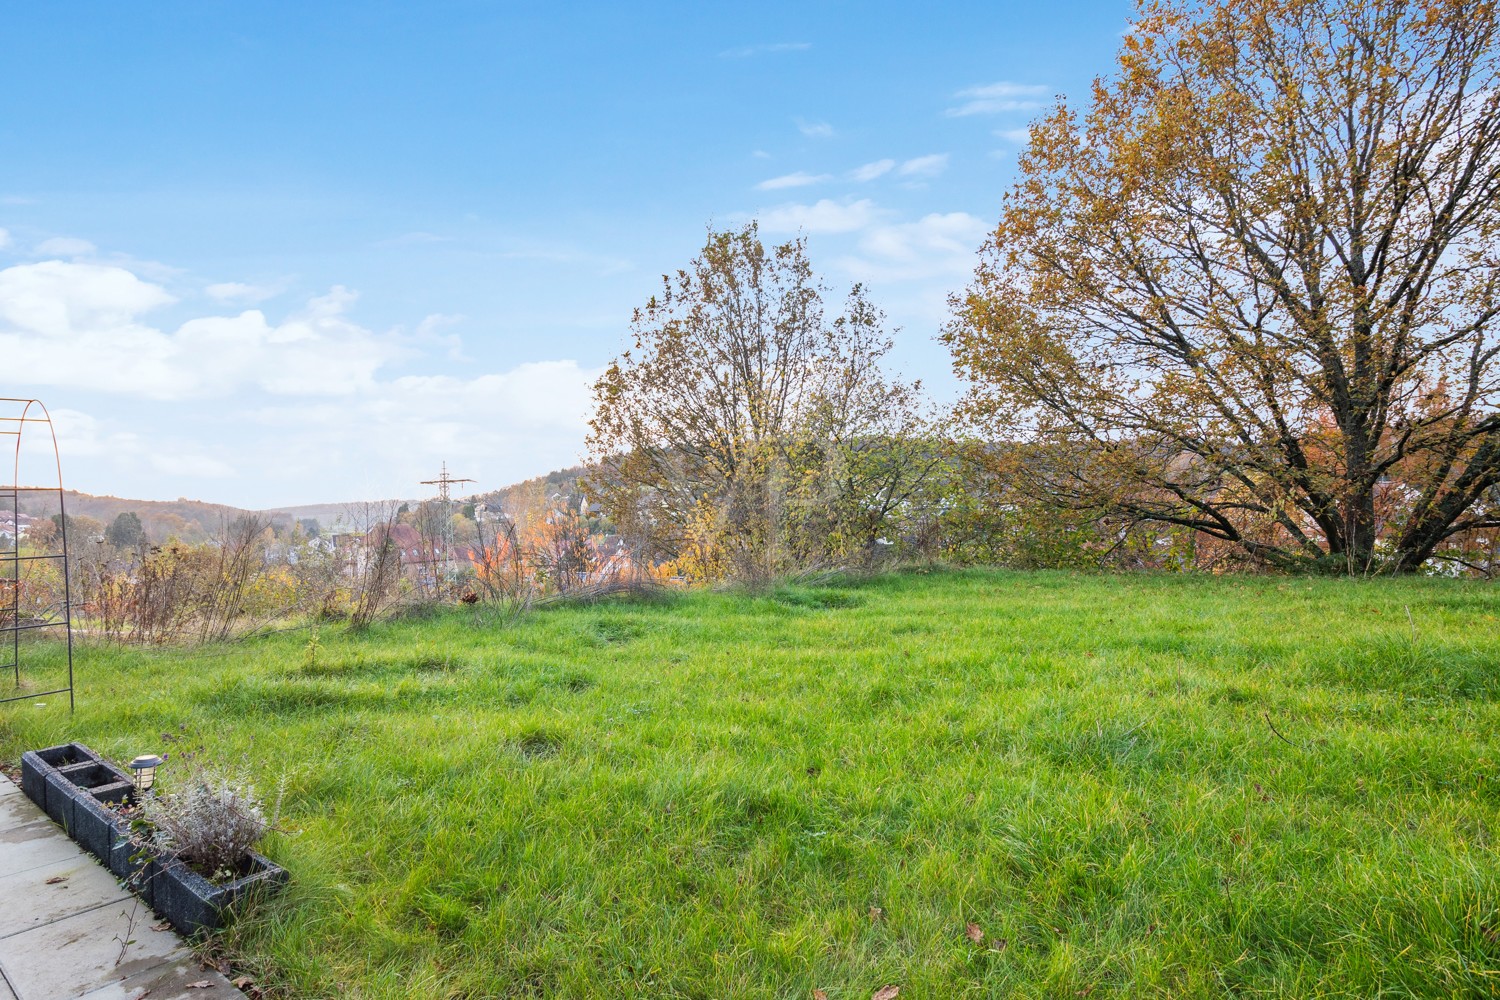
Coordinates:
[1142,786]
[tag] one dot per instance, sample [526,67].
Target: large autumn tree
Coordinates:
[1252,289]
[747,432]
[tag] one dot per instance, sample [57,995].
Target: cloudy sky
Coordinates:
[276,253]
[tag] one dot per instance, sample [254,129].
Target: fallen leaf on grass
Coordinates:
[875,914]
[820,995]
[973,933]
[56,879]
[242,981]
[886,993]
[999,944]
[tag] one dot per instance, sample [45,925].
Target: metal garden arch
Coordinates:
[21,609]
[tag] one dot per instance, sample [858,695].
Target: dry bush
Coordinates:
[502,574]
[188,593]
[210,824]
[555,557]
[376,569]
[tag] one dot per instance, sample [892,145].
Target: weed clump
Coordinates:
[539,744]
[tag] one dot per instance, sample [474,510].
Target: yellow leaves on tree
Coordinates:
[1251,292]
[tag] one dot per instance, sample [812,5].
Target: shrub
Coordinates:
[210,823]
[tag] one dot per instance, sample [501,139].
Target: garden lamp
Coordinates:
[144,768]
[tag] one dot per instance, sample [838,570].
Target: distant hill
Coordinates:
[536,492]
[198,520]
[326,514]
[186,520]
[182,519]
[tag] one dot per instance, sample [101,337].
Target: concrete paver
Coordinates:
[81,952]
[54,891]
[173,981]
[15,807]
[32,845]
[69,930]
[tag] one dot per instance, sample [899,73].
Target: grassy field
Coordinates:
[724,795]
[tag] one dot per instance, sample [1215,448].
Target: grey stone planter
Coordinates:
[37,764]
[75,798]
[96,822]
[193,903]
[82,793]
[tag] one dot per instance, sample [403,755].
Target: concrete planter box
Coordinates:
[37,764]
[73,790]
[82,793]
[97,824]
[133,863]
[192,903]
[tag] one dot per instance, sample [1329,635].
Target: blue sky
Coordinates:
[269,254]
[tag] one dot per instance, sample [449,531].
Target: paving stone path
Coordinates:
[69,930]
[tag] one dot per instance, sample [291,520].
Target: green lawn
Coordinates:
[710,795]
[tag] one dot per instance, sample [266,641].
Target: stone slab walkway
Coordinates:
[69,930]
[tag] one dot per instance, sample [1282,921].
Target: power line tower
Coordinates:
[444,559]
[443,482]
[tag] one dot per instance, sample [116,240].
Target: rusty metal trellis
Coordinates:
[16,417]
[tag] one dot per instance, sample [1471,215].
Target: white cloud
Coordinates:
[997,97]
[189,466]
[266,409]
[799,179]
[65,246]
[746,51]
[532,396]
[760,154]
[497,427]
[239,291]
[429,331]
[431,324]
[815,130]
[77,434]
[924,166]
[937,245]
[57,297]
[82,326]
[82,436]
[870,171]
[4,238]
[826,216]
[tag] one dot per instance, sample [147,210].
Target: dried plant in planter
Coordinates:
[210,824]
